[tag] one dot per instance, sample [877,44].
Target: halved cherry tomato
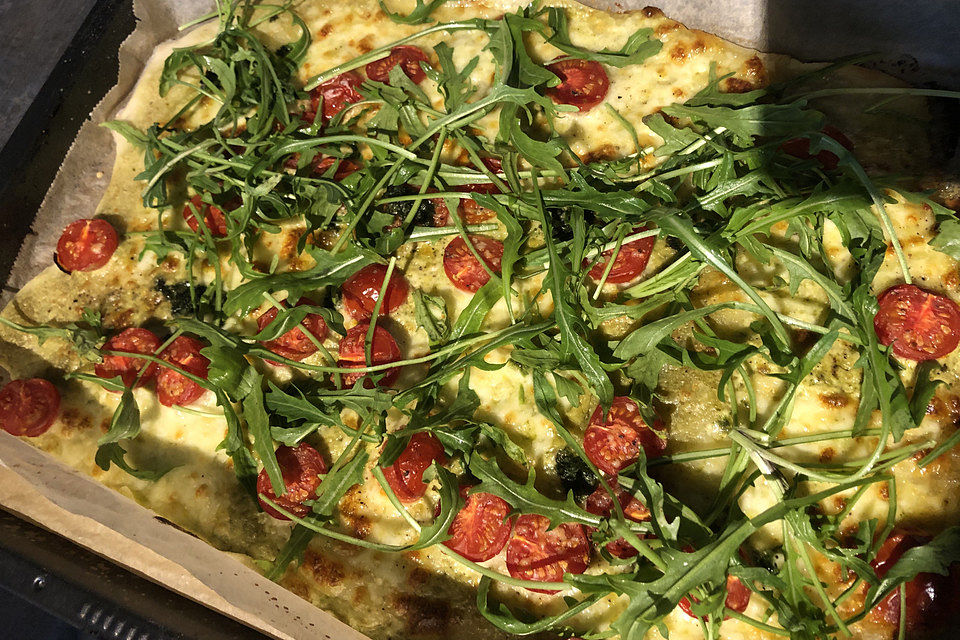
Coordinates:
[362,290]
[738,597]
[301,467]
[481,528]
[583,83]
[494,164]
[463,269]
[800,148]
[294,344]
[322,163]
[630,262]
[469,210]
[931,598]
[600,503]
[173,388]
[534,553]
[213,218]
[614,442]
[383,350]
[28,407]
[132,340]
[405,475]
[920,325]
[336,93]
[405,55]
[86,245]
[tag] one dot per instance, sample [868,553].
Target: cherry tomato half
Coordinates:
[481,528]
[800,148]
[930,597]
[294,344]
[469,210]
[630,262]
[28,407]
[86,245]
[301,467]
[600,503]
[213,218]
[321,164]
[583,83]
[920,325]
[383,350]
[738,597]
[613,442]
[132,340]
[173,388]
[336,94]
[463,269]
[405,55]
[362,290]
[534,553]
[405,475]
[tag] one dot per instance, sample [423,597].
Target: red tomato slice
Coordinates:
[362,290]
[336,93]
[931,598]
[583,83]
[481,528]
[630,262]
[174,388]
[213,218]
[383,350]
[493,164]
[405,475]
[738,597]
[301,467]
[463,269]
[534,553]
[800,148]
[86,245]
[600,503]
[614,443]
[294,344]
[407,56]
[28,407]
[468,209]
[920,325]
[322,163]
[132,340]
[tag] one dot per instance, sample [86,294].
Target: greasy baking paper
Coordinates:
[45,491]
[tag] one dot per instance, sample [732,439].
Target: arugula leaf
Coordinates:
[293,550]
[336,483]
[430,314]
[419,15]
[924,388]
[947,240]
[525,498]
[258,423]
[114,453]
[745,123]
[125,422]
[639,46]
[86,340]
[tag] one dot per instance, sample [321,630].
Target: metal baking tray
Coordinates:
[85,590]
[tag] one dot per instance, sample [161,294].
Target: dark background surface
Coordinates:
[27,56]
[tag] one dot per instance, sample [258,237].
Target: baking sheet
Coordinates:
[46,492]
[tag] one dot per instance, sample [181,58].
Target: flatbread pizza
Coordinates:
[487,318]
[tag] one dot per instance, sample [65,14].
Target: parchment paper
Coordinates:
[48,493]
